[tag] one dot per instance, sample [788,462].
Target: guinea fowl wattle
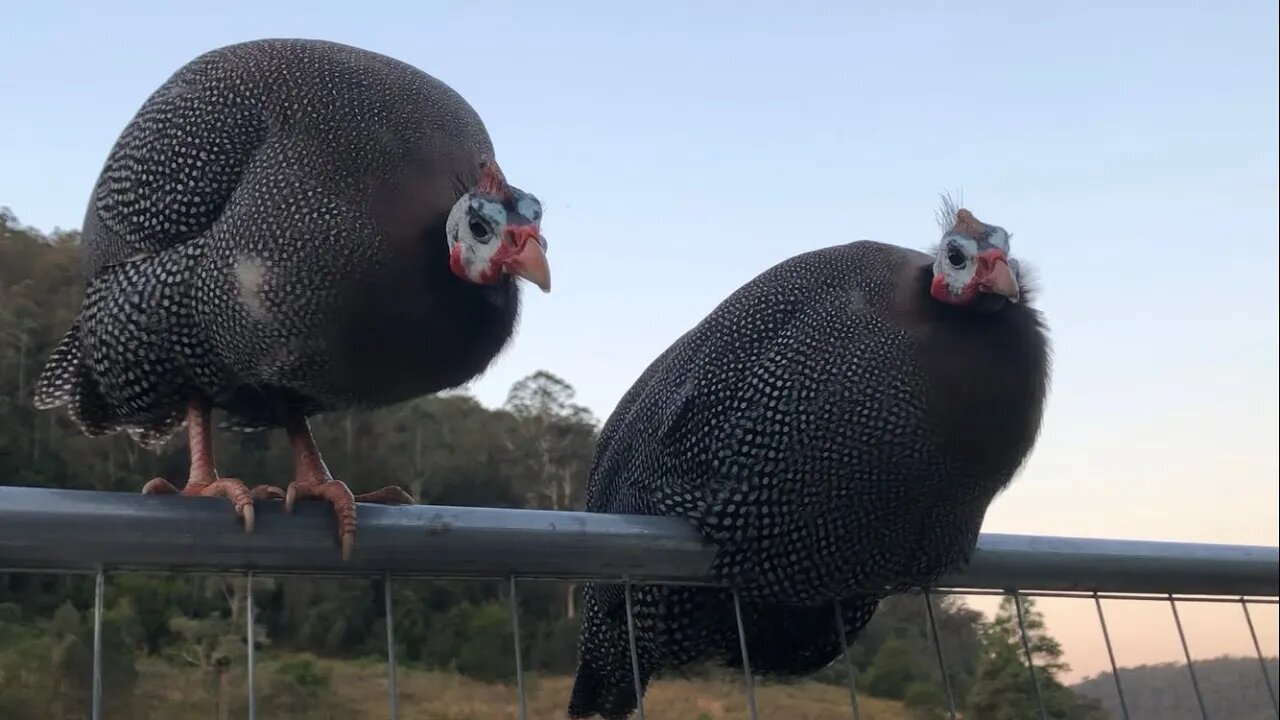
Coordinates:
[288,227]
[836,428]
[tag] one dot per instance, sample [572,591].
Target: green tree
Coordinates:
[1004,690]
[892,671]
[47,668]
[557,438]
[215,644]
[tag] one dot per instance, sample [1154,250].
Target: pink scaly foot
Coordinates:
[203,480]
[312,481]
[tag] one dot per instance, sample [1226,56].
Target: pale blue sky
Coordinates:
[1131,148]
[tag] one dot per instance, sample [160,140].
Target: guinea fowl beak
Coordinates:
[527,258]
[994,275]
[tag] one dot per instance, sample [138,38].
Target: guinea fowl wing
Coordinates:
[178,162]
[174,166]
[731,428]
[787,400]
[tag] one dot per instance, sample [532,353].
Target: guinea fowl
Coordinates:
[836,429]
[289,227]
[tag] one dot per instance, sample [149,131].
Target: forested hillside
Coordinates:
[174,646]
[1232,687]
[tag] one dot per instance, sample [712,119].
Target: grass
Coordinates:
[358,691]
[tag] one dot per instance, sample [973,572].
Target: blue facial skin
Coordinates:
[519,208]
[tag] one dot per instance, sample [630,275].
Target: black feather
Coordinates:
[836,433]
[268,231]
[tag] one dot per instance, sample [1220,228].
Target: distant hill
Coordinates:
[1232,688]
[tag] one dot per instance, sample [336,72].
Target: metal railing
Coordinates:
[44,530]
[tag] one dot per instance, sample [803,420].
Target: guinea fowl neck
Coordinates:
[984,304]
[971,359]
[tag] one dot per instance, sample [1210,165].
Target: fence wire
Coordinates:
[750,680]
[936,638]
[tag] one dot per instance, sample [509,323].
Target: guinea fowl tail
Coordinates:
[794,641]
[678,626]
[61,375]
[121,365]
[604,684]
[66,380]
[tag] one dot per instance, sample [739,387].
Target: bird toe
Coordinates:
[390,495]
[159,486]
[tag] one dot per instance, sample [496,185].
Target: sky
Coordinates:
[679,150]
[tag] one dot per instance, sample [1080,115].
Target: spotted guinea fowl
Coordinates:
[838,424]
[288,227]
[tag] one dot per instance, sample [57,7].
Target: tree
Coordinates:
[893,670]
[1004,690]
[48,664]
[216,643]
[558,436]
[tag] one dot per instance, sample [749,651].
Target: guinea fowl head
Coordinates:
[494,230]
[971,266]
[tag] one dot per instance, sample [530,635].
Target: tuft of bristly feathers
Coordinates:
[946,213]
[836,433]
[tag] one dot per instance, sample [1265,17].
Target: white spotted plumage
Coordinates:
[262,194]
[789,427]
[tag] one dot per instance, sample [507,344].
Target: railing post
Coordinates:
[942,662]
[1262,661]
[1031,661]
[1111,656]
[249,641]
[849,670]
[635,655]
[515,632]
[393,696]
[746,660]
[1186,652]
[99,589]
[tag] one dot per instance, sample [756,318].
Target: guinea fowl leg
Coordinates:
[203,480]
[312,481]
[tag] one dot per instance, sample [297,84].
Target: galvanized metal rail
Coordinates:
[78,530]
[100,533]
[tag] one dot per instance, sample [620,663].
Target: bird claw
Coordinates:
[267,492]
[390,495]
[236,491]
[348,542]
[344,504]
[246,513]
[159,486]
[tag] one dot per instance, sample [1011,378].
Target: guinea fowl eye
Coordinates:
[479,230]
[956,258]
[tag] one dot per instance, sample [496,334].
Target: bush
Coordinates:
[299,688]
[48,664]
[891,673]
[925,701]
[554,650]
[486,647]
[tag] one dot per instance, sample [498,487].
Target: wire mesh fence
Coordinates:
[1116,592]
